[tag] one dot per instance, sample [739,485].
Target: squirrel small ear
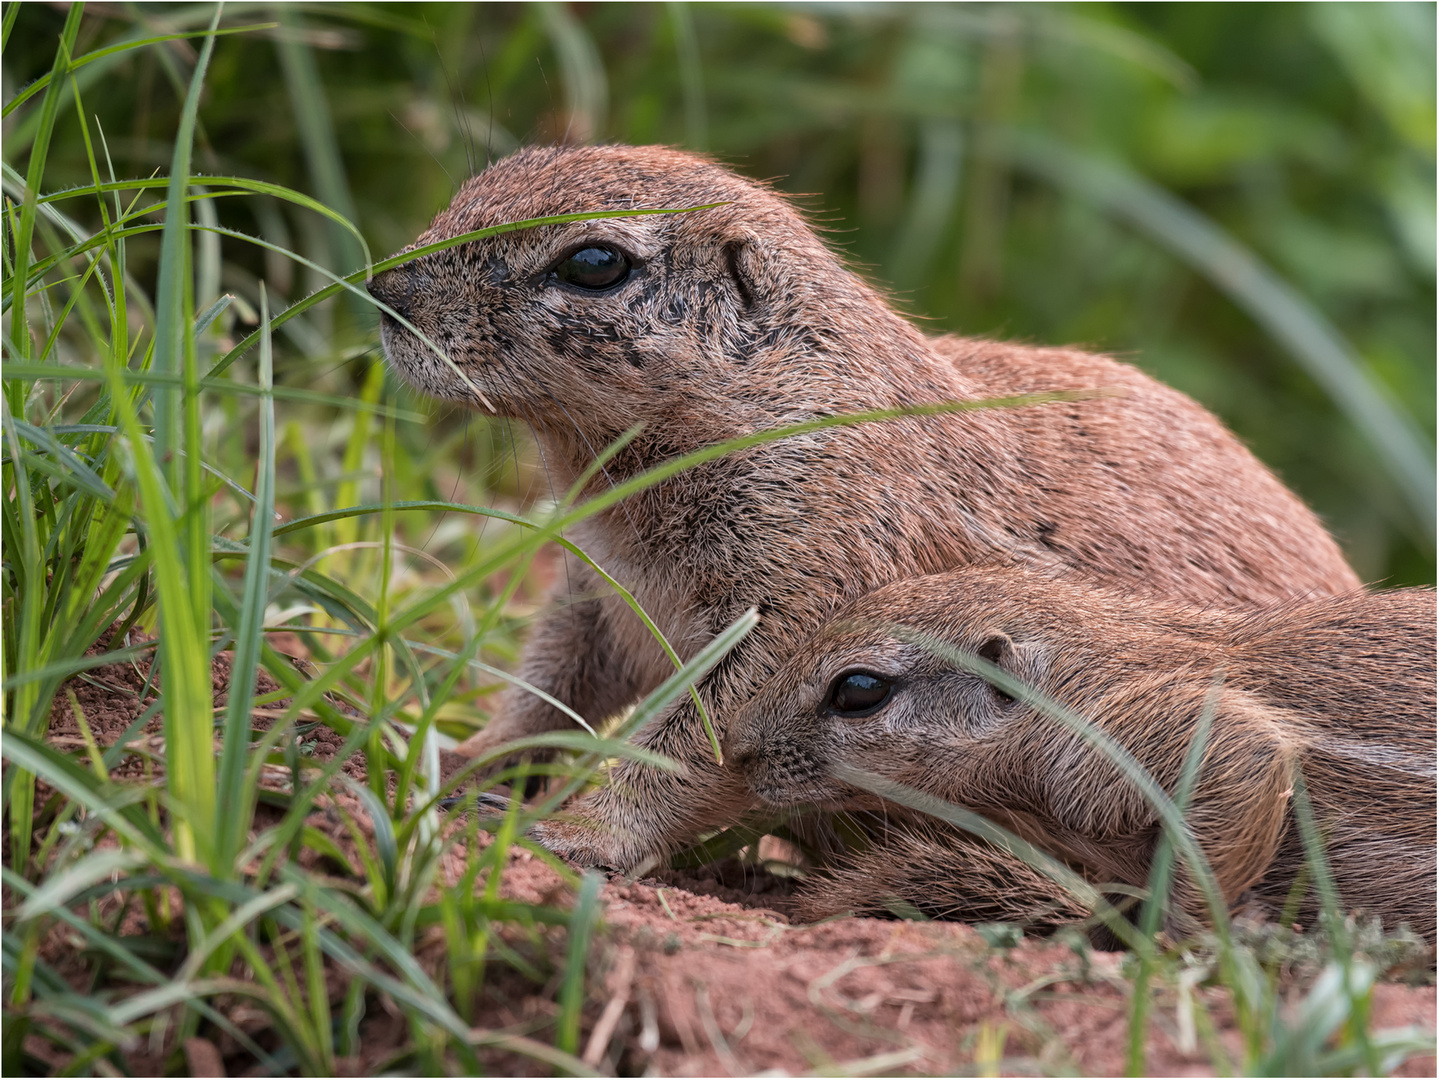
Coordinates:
[738,258]
[998,650]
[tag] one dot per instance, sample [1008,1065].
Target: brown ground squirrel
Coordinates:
[708,325]
[1343,687]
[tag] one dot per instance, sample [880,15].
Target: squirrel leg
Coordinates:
[944,874]
[643,813]
[569,656]
[1240,808]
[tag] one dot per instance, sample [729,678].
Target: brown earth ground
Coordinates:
[703,972]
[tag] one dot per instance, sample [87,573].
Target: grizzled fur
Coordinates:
[737,319]
[1342,687]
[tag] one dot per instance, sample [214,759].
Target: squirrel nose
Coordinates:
[394,289]
[740,751]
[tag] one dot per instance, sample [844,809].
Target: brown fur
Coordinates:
[739,319]
[1342,687]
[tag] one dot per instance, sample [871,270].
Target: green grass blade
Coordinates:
[249,633]
[116,808]
[697,668]
[140,969]
[1169,814]
[75,471]
[1355,976]
[586,88]
[997,835]
[171,322]
[25,707]
[587,744]
[687,54]
[556,525]
[385,845]
[112,50]
[11,11]
[656,701]
[19,325]
[936,188]
[572,988]
[320,295]
[184,658]
[1161,870]
[59,887]
[317,137]
[149,378]
[233,923]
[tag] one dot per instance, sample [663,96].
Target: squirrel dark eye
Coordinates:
[859,693]
[593,268]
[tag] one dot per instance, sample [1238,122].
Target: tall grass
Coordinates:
[114,483]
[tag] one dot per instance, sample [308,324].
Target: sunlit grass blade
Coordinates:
[184,656]
[656,701]
[171,314]
[249,632]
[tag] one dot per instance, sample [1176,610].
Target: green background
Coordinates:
[980,160]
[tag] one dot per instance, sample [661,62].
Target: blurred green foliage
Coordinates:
[1304,132]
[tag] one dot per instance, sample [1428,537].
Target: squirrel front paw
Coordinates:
[588,845]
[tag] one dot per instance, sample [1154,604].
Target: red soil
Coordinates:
[703,973]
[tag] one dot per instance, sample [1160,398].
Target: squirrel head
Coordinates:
[734,311]
[888,686]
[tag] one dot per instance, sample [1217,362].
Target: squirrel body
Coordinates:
[716,323]
[1339,690]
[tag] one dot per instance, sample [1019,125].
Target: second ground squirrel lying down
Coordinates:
[1341,688]
[708,325]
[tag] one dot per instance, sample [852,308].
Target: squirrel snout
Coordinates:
[394,289]
[741,751]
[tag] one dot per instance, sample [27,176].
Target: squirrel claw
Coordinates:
[576,844]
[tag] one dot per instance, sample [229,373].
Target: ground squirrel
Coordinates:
[716,323]
[1341,686]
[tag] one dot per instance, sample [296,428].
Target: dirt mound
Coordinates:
[694,985]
